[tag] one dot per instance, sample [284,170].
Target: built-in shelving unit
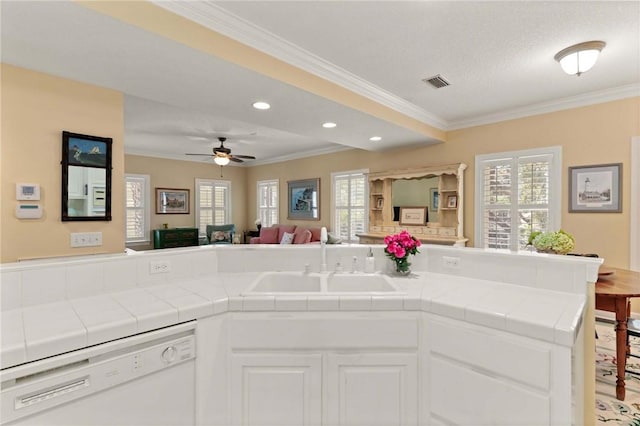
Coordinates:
[447,228]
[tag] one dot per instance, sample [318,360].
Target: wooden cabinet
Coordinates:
[446,224]
[177,237]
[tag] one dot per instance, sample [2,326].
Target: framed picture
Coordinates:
[413,215]
[86,150]
[595,189]
[452,201]
[434,196]
[304,199]
[172,201]
[379,203]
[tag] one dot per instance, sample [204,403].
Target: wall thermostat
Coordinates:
[27,191]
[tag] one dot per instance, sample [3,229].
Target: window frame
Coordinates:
[555,189]
[227,207]
[146,239]
[276,184]
[334,175]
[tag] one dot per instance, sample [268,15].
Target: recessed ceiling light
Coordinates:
[329,125]
[375,138]
[261,105]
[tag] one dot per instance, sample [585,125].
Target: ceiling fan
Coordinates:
[222,155]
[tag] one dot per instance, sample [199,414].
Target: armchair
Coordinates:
[221,234]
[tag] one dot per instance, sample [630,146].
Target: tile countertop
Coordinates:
[36,332]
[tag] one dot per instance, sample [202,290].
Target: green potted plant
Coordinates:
[556,242]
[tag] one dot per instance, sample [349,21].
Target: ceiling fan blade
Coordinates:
[236,160]
[247,157]
[208,155]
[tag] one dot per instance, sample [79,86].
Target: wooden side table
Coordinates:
[248,234]
[614,289]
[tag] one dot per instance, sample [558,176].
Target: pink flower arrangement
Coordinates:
[399,247]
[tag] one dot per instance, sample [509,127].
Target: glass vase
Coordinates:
[402,267]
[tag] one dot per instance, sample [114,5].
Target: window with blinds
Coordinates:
[350,195]
[213,203]
[267,202]
[137,208]
[518,193]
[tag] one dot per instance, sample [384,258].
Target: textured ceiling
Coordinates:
[498,57]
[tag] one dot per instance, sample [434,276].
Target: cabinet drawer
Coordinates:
[431,231]
[447,232]
[270,332]
[491,350]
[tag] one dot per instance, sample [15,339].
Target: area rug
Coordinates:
[610,411]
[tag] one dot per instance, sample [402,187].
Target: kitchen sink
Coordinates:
[328,283]
[359,283]
[286,282]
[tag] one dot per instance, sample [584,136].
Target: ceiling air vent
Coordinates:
[436,81]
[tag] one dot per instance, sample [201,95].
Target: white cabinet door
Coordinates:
[77,182]
[276,389]
[371,389]
[476,375]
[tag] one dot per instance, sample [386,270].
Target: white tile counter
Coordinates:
[64,316]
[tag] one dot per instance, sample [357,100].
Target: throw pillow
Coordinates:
[301,236]
[285,228]
[333,240]
[220,237]
[287,238]
[269,235]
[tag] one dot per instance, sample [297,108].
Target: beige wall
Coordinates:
[41,106]
[182,174]
[594,134]
[36,108]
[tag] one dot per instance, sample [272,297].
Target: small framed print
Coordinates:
[304,199]
[434,196]
[452,201]
[595,189]
[413,215]
[172,201]
[379,203]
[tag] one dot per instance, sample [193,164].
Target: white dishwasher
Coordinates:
[146,379]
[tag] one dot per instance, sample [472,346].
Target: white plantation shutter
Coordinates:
[267,202]
[213,203]
[518,192]
[350,195]
[137,208]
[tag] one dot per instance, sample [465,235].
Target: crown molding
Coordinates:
[299,155]
[591,98]
[220,20]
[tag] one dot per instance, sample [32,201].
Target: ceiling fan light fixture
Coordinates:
[261,105]
[221,161]
[329,125]
[580,57]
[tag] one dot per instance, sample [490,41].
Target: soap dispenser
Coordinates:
[369,263]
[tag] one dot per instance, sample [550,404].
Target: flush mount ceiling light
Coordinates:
[329,125]
[580,57]
[221,161]
[261,105]
[375,138]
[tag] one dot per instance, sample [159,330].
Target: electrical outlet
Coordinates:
[159,267]
[451,262]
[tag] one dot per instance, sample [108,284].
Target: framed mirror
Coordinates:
[86,177]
